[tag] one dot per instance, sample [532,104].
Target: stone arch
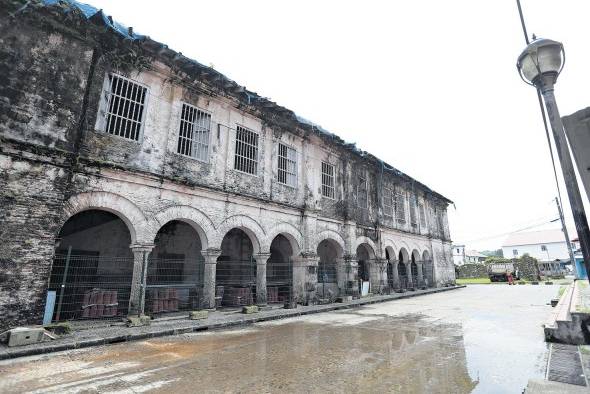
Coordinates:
[288,231]
[245,223]
[416,255]
[126,210]
[389,245]
[331,235]
[372,249]
[426,255]
[404,253]
[192,216]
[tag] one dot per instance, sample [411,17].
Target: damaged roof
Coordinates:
[251,98]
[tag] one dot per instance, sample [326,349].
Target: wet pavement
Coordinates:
[483,339]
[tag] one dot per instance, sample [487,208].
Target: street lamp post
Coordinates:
[539,65]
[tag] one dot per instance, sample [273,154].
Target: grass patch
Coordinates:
[474,281]
[561,291]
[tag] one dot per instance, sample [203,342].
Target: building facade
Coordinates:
[134,179]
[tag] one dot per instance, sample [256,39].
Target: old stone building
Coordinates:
[133,178]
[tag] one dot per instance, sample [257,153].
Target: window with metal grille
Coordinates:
[246,156]
[193,136]
[361,193]
[125,107]
[387,202]
[413,216]
[400,207]
[327,180]
[422,215]
[287,174]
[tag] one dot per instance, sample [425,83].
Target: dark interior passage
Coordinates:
[236,270]
[94,264]
[175,270]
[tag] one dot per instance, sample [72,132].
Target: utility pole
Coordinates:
[567,237]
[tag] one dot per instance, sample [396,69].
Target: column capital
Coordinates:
[211,252]
[349,257]
[309,255]
[262,257]
[141,247]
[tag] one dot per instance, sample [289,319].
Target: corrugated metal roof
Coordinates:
[537,237]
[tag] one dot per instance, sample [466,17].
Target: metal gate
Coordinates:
[235,283]
[327,287]
[174,284]
[279,281]
[428,273]
[88,286]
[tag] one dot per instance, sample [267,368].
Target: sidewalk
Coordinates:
[103,335]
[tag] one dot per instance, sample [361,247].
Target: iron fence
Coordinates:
[279,281]
[327,277]
[89,286]
[235,283]
[174,285]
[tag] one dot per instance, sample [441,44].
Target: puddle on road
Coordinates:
[484,347]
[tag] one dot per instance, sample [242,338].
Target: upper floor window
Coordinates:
[515,252]
[362,193]
[246,156]
[193,136]
[287,173]
[422,212]
[400,207]
[413,208]
[125,107]
[387,202]
[328,180]
[544,248]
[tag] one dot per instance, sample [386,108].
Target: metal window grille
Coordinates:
[400,207]
[413,216]
[387,202]
[422,215]
[327,180]
[193,136]
[125,107]
[287,165]
[362,197]
[246,156]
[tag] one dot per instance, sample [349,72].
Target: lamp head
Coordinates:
[541,62]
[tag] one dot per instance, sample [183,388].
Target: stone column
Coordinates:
[261,259]
[350,276]
[305,277]
[209,277]
[378,272]
[138,281]
[420,274]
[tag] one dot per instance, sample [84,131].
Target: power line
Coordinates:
[510,232]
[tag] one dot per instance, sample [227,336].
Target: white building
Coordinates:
[465,256]
[547,246]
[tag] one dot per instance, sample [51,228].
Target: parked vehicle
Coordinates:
[498,272]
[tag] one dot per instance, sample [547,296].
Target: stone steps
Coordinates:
[569,320]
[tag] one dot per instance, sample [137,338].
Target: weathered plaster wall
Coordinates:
[55,162]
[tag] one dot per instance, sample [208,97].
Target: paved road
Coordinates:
[485,339]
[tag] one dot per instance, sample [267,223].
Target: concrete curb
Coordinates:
[201,325]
